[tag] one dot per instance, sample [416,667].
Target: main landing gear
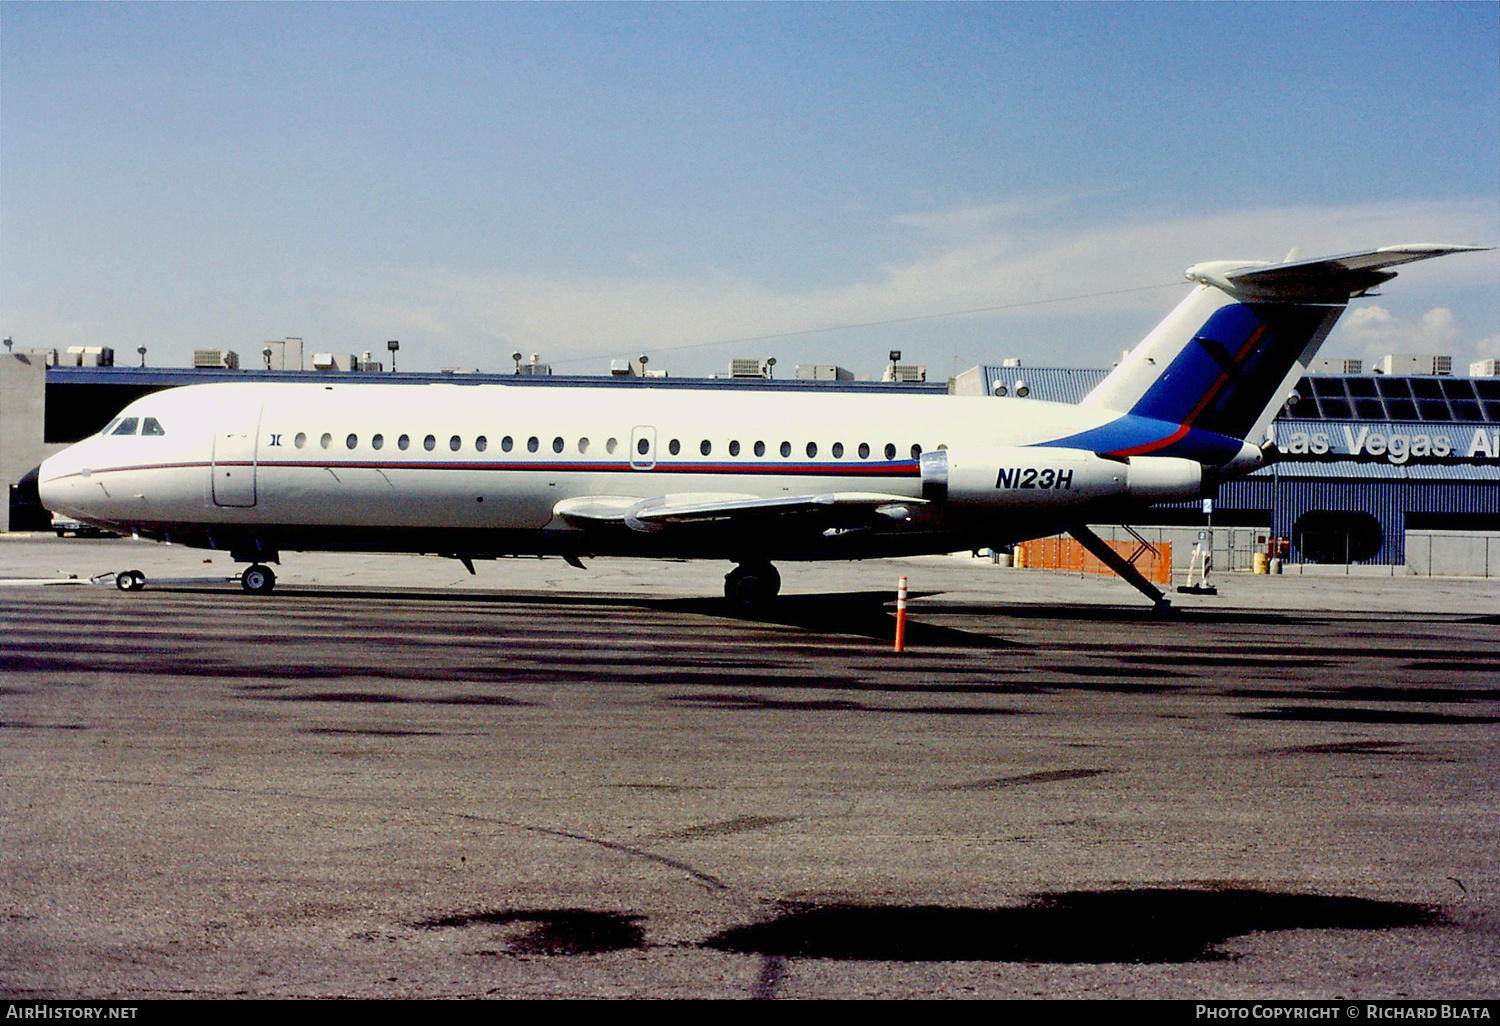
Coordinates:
[752,584]
[258,579]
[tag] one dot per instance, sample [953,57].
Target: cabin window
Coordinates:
[734,448]
[326,441]
[704,447]
[351,441]
[838,450]
[404,442]
[507,444]
[611,445]
[481,443]
[864,450]
[583,445]
[301,440]
[150,426]
[429,443]
[786,449]
[377,442]
[674,447]
[760,448]
[127,426]
[916,451]
[455,443]
[890,450]
[812,449]
[557,444]
[643,446]
[533,444]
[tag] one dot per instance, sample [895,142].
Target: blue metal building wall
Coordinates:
[1384,500]
[1288,497]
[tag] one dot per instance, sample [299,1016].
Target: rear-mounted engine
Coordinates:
[1047,477]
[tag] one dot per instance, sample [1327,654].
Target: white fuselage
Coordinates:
[500,458]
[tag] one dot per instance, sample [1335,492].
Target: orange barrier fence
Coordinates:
[1062,553]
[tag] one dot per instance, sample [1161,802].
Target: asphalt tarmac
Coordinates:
[389,779]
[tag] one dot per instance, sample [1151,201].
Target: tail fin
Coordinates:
[1224,360]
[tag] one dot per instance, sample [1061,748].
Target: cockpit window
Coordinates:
[127,426]
[151,427]
[110,427]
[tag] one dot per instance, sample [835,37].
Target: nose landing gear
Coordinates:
[258,579]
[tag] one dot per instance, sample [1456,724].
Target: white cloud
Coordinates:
[1373,331]
[1007,255]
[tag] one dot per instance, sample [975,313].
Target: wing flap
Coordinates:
[699,508]
[673,511]
[596,509]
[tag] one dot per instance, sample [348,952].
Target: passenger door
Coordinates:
[234,456]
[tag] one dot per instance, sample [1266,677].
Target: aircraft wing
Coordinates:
[699,508]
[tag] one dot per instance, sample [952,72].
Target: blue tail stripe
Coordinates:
[1134,433]
[1181,387]
[1191,391]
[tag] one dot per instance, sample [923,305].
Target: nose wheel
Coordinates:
[130,580]
[752,584]
[258,580]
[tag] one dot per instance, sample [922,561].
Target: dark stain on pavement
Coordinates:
[1001,783]
[339,731]
[737,825]
[561,931]
[1148,925]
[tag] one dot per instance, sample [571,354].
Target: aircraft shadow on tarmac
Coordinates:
[860,613]
[865,614]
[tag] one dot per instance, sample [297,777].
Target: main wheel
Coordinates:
[258,580]
[752,584]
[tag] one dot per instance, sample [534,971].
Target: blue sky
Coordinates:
[712,180]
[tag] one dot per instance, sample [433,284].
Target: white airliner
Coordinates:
[478,471]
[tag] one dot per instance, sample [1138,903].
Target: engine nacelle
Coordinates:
[1038,476]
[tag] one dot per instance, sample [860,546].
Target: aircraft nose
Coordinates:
[27,495]
[48,482]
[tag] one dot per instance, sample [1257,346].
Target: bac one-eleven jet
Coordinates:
[477,471]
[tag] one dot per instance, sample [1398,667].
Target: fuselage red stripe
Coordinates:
[894,469]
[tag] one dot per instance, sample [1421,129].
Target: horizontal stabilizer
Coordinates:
[1325,279]
[1218,368]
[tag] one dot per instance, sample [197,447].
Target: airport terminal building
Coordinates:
[1380,473]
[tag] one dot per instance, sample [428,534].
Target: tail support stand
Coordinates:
[1120,565]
